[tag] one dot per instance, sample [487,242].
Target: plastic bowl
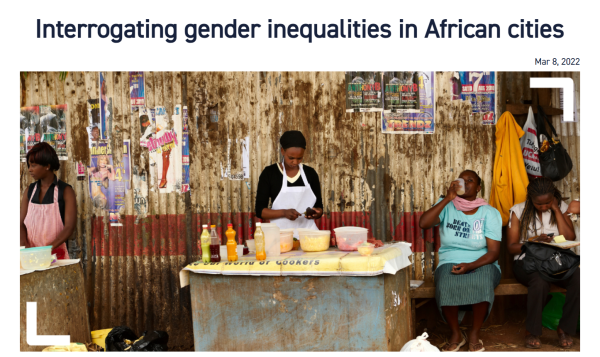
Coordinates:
[314,241]
[286,240]
[36,258]
[349,240]
[366,250]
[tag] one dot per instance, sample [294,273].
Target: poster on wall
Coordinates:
[244,149]
[93,129]
[176,156]
[479,88]
[30,129]
[136,90]
[108,183]
[363,92]
[105,109]
[147,124]
[161,147]
[185,153]
[54,128]
[411,108]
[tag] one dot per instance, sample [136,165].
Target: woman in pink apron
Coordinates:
[291,187]
[48,207]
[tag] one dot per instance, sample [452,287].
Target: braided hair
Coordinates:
[537,187]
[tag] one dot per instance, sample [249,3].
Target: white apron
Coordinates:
[298,198]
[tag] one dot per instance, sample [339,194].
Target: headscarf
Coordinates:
[292,139]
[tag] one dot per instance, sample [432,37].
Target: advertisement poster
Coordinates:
[176,151]
[480,89]
[161,147]
[147,124]
[93,129]
[109,183]
[136,90]
[185,153]
[54,128]
[401,114]
[31,130]
[363,92]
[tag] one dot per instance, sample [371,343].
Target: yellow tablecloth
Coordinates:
[388,259]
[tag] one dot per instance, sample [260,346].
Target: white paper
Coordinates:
[58,264]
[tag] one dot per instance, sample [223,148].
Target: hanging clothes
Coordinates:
[509,183]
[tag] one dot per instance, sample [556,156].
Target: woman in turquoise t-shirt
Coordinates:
[468,271]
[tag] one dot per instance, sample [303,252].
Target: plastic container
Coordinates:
[366,249]
[232,254]
[36,258]
[205,244]
[251,245]
[272,241]
[240,250]
[215,245]
[259,242]
[21,264]
[314,241]
[461,189]
[286,240]
[349,238]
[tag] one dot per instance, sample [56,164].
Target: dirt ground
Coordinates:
[507,337]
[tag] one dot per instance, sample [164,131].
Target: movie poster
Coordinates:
[136,90]
[108,183]
[363,92]
[410,109]
[185,153]
[479,88]
[54,128]
[105,109]
[30,129]
[93,129]
[161,147]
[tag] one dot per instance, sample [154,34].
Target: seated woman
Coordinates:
[468,271]
[543,212]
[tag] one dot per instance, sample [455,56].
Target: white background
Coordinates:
[22,51]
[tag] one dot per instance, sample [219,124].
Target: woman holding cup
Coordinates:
[468,271]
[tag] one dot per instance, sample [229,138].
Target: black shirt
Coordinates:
[269,185]
[49,196]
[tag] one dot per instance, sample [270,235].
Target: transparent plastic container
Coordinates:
[314,241]
[349,238]
[286,237]
[366,249]
[36,258]
[461,189]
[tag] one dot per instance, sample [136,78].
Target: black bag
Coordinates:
[554,162]
[552,263]
[123,339]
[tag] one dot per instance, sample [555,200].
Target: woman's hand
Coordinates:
[318,212]
[555,206]
[544,238]
[291,214]
[451,194]
[461,268]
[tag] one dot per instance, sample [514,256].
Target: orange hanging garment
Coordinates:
[509,184]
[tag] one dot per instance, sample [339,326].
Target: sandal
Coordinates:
[476,347]
[458,345]
[564,340]
[530,341]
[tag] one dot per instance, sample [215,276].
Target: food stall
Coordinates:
[303,301]
[61,306]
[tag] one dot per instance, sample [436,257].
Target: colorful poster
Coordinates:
[176,151]
[93,129]
[108,183]
[54,128]
[147,124]
[480,89]
[31,130]
[136,90]
[363,92]
[402,115]
[105,109]
[185,153]
[161,147]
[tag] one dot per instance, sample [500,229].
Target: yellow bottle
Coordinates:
[259,241]
[205,244]
[231,244]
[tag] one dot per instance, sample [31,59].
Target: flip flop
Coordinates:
[458,345]
[472,346]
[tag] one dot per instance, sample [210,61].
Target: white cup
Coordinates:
[461,189]
[251,245]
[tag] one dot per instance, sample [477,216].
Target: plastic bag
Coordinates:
[123,339]
[420,344]
[553,311]
[530,147]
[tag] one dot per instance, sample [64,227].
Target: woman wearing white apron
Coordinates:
[291,186]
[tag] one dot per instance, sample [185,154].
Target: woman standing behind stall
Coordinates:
[468,271]
[291,186]
[48,207]
[543,212]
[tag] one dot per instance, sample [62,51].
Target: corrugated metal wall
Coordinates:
[380,181]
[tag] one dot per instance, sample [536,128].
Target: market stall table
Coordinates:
[61,306]
[300,301]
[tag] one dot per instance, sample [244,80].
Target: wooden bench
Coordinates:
[427,291]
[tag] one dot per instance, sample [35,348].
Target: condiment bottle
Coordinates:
[232,255]
[205,244]
[259,241]
[215,245]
